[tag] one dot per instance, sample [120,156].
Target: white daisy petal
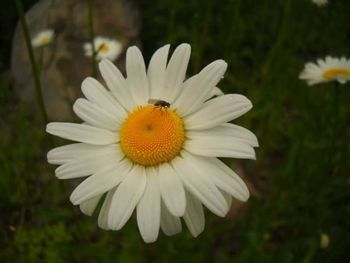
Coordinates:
[100,182]
[204,82]
[156,72]
[89,206]
[148,209]
[215,93]
[171,225]
[200,186]
[226,179]
[229,171]
[88,165]
[67,153]
[126,197]
[95,92]
[194,215]
[117,84]
[172,190]
[235,132]
[103,215]
[230,183]
[176,71]
[215,146]
[96,116]
[218,111]
[136,76]
[82,133]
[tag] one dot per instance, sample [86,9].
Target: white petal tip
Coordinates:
[249,104]
[198,232]
[76,104]
[86,212]
[245,199]
[88,79]
[50,127]
[185,45]
[243,195]
[221,62]
[149,240]
[179,213]
[133,49]
[74,201]
[254,156]
[112,225]
[223,213]
[50,157]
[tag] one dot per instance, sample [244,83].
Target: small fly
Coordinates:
[161,104]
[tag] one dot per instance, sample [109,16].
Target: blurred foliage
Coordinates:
[302,169]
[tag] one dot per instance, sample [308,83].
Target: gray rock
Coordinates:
[64,65]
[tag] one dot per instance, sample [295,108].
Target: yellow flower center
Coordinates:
[335,73]
[152,135]
[45,40]
[103,48]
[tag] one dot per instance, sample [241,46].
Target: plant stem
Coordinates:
[171,24]
[35,69]
[204,36]
[234,27]
[279,41]
[336,120]
[92,36]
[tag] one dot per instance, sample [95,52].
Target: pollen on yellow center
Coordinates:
[103,48]
[336,72]
[152,135]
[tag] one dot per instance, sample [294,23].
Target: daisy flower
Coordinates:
[329,69]
[320,3]
[43,38]
[324,240]
[158,159]
[105,48]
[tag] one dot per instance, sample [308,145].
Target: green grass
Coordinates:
[302,171]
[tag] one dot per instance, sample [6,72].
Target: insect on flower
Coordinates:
[161,104]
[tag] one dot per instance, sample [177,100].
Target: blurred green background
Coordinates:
[301,178]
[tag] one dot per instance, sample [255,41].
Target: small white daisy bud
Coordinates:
[43,38]
[324,240]
[320,3]
[105,48]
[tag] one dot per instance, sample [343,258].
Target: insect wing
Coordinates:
[153,101]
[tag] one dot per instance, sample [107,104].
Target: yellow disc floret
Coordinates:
[336,72]
[152,135]
[103,48]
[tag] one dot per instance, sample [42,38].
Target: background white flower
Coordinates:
[329,69]
[105,48]
[320,2]
[159,160]
[43,38]
[324,240]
